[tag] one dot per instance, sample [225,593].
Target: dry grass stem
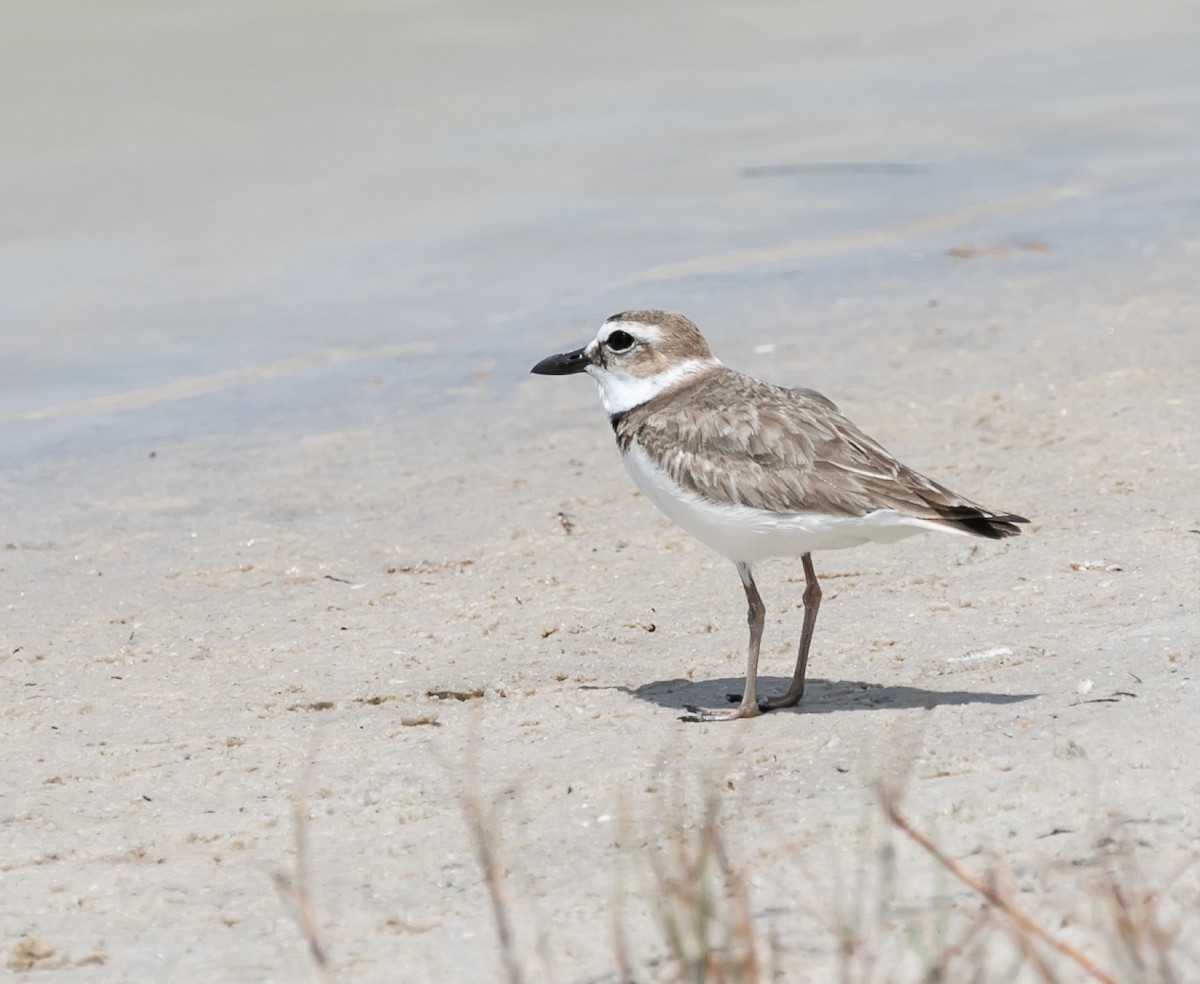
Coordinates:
[621,949]
[296,891]
[481,822]
[702,904]
[1145,945]
[1024,922]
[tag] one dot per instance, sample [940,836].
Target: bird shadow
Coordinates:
[820,696]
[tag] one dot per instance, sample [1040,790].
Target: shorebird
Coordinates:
[755,470]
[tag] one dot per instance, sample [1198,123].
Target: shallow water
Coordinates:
[219,216]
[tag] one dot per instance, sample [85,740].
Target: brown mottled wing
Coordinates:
[735,439]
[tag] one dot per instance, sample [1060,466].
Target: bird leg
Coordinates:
[812,602]
[756,616]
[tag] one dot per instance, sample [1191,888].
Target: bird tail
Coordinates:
[981,522]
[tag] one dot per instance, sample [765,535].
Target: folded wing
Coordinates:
[749,443]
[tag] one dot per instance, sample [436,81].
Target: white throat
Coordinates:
[620,392]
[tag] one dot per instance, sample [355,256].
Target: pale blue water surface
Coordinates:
[356,208]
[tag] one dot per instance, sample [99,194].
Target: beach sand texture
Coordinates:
[286,521]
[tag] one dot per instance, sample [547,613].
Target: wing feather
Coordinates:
[735,439]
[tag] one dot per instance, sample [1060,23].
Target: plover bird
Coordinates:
[755,470]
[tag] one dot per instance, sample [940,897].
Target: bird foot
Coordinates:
[766,704]
[705,714]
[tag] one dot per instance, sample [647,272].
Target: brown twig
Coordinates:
[1023,921]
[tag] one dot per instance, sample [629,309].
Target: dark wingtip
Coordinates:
[990,525]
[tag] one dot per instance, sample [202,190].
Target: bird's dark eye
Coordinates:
[620,341]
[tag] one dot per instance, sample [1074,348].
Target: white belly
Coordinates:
[746,535]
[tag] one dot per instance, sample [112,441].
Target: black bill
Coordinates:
[563,365]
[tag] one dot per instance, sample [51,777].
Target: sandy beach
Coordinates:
[297,554]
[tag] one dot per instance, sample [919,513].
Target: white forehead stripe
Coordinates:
[638,329]
[620,392]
